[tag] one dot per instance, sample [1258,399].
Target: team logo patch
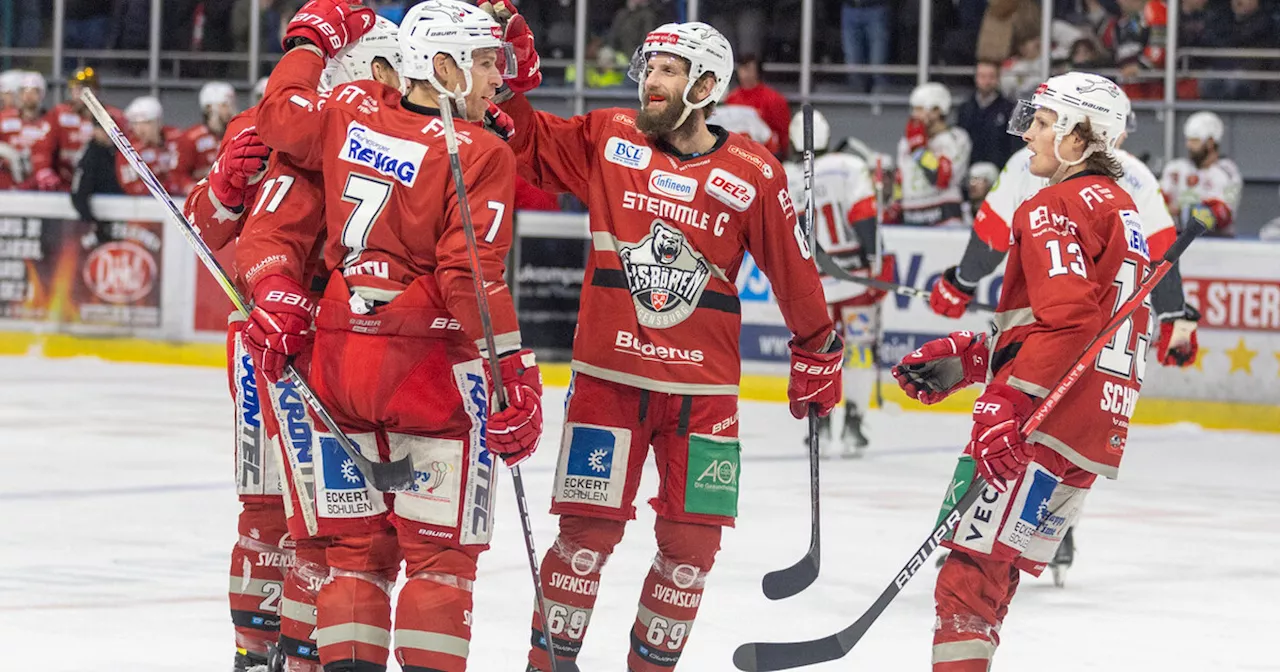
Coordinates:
[730,189]
[1033,508]
[627,154]
[665,275]
[675,186]
[394,157]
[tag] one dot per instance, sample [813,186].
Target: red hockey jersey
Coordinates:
[659,307]
[20,135]
[392,211]
[196,150]
[284,232]
[216,224]
[1078,252]
[68,131]
[159,158]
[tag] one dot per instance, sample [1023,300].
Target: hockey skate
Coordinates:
[250,662]
[1062,559]
[853,442]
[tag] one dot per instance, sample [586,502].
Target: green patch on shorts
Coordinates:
[711,486]
[960,482]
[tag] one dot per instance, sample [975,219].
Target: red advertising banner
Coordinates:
[1234,303]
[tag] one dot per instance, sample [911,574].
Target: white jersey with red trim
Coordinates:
[1184,184]
[1017,185]
[925,203]
[843,193]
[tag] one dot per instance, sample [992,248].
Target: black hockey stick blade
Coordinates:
[760,656]
[829,266]
[784,583]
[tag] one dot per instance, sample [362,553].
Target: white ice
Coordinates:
[117,514]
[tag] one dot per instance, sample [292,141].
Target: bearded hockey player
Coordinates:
[845,208]
[397,356]
[675,204]
[933,159]
[197,147]
[1077,253]
[1205,185]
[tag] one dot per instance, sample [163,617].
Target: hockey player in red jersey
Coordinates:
[54,157]
[397,355]
[197,147]
[675,204]
[155,142]
[1078,253]
[21,127]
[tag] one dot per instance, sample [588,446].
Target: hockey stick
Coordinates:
[385,476]
[784,583]
[495,372]
[878,184]
[759,656]
[829,266]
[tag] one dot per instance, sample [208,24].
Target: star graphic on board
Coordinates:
[1200,355]
[1241,358]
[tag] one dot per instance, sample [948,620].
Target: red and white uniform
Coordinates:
[655,357]
[217,225]
[159,158]
[1077,253]
[68,132]
[20,135]
[196,149]
[1217,186]
[934,200]
[397,319]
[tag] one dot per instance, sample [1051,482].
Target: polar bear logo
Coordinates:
[666,243]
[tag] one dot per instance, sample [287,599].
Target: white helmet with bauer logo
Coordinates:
[454,28]
[1077,97]
[355,61]
[702,46]
[821,131]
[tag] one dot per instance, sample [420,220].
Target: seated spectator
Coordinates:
[771,105]
[1244,25]
[603,71]
[985,117]
[1087,55]
[864,34]
[1021,74]
[1137,38]
[1006,26]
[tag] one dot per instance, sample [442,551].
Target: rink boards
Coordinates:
[142,297]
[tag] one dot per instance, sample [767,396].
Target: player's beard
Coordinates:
[657,124]
[1198,157]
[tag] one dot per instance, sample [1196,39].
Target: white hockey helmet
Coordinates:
[702,46]
[259,90]
[1076,97]
[984,170]
[11,81]
[1204,125]
[144,108]
[454,28]
[931,96]
[31,80]
[355,61]
[214,93]
[821,131]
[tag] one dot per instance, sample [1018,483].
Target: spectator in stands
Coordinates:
[1193,22]
[28,22]
[603,70]
[1244,25]
[1137,38]
[1007,25]
[1087,55]
[630,24]
[275,14]
[1021,74]
[95,174]
[130,21]
[771,105]
[742,22]
[985,117]
[864,34]
[88,24]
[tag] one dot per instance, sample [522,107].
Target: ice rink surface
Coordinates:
[117,514]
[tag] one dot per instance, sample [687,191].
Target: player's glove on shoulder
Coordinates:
[1178,345]
[516,31]
[499,122]
[279,324]
[513,432]
[942,366]
[815,378]
[1000,452]
[329,24]
[233,177]
[950,297]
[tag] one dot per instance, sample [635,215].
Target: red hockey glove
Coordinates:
[1178,345]
[513,432]
[279,324]
[815,378]
[942,366]
[996,444]
[916,134]
[329,24]
[499,122]
[949,297]
[516,31]
[231,176]
[47,180]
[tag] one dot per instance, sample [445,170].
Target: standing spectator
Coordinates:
[742,22]
[27,22]
[985,117]
[630,24]
[1244,25]
[864,33]
[275,14]
[771,105]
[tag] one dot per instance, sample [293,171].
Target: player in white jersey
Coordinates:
[845,207]
[933,158]
[1205,185]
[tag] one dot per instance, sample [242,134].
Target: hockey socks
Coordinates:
[570,576]
[258,565]
[298,610]
[353,609]
[433,611]
[672,594]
